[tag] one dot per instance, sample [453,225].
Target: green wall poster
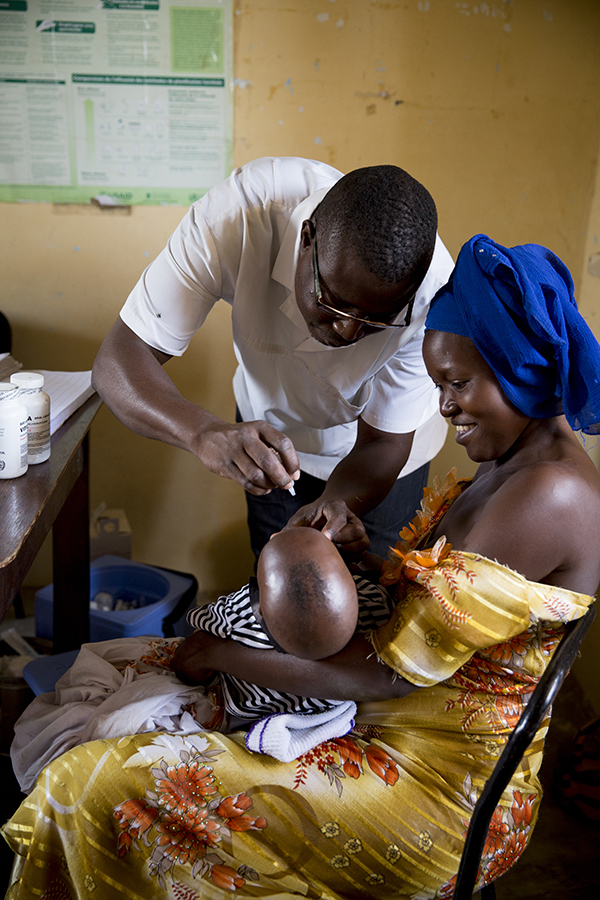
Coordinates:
[124,101]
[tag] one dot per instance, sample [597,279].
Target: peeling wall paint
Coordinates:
[594,265]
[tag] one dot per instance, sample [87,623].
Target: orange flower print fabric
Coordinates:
[381,812]
[506,840]
[451,605]
[346,758]
[188,818]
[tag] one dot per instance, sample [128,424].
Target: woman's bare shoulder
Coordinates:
[568,485]
[543,520]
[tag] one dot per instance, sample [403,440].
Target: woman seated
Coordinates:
[485,581]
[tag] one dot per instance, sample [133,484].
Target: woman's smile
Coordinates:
[462,432]
[487,424]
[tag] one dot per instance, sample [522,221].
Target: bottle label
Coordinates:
[24,448]
[38,435]
[13,448]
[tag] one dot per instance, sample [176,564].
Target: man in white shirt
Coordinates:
[329,279]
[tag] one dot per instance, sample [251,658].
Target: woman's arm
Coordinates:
[353,673]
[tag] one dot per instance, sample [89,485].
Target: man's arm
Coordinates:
[129,376]
[358,483]
[353,673]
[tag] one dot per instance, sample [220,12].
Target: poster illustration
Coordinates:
[125,101]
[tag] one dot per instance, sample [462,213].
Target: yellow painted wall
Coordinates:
[586,667]
[493,106]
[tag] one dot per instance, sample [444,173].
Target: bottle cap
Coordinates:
[8,391]
[27,379]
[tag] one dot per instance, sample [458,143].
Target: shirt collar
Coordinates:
[284,269]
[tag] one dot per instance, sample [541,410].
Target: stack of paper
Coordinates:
[67,390]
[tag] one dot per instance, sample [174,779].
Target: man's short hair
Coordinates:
[385,215]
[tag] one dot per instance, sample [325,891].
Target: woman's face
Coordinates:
[487,424]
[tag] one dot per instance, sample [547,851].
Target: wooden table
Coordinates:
[53,494]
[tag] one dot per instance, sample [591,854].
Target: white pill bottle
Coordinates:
[37,403]
[13,432]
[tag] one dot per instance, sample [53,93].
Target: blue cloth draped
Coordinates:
[518,307]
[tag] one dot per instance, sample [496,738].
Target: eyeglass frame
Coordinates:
[339,314]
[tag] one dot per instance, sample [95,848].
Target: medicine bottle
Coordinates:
[13,432]
[37,403]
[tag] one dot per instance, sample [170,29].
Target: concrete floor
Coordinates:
[562,861]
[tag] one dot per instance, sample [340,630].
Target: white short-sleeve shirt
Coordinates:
[240,243]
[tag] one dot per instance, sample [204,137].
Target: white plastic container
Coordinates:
[13,432]
[37,403]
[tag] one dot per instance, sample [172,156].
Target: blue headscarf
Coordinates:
[518,307]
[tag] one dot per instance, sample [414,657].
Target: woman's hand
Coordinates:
[190,662]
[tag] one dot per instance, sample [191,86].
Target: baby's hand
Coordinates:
[190,657]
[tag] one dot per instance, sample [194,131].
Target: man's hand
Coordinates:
[336,521]
[367,564]
[254,454]
[129,376]
[357,484]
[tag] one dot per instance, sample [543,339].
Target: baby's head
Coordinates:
[307,595]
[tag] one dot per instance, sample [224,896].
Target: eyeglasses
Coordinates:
[338,314]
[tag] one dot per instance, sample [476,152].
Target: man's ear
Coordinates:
[307,233]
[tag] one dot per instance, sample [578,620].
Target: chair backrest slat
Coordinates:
[525,730]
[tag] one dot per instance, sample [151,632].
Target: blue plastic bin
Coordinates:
[159,591]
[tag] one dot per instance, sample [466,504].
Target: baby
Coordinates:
[304,601]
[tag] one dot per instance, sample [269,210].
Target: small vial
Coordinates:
[13,432]
[37,403]
[103,600]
